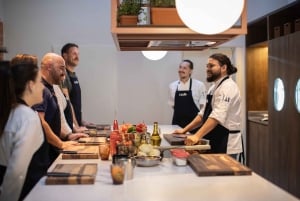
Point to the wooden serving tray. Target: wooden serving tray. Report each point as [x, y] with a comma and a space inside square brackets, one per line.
[216, 165]
[81, 152]
[72, 174]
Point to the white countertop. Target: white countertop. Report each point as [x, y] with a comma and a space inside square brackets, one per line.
[165, 182]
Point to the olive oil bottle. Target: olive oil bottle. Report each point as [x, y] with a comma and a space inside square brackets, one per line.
[155, 137]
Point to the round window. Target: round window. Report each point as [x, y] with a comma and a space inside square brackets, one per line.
[297, 95]
[279, 94]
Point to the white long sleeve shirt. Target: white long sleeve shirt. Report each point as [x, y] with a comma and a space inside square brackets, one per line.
[22, 137]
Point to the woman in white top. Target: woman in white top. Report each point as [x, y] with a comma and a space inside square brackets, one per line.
[21, 134]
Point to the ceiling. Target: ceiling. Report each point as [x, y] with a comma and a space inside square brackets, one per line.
[171, 38]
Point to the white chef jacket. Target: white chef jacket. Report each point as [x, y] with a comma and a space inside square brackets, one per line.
[226, 109]
[198, 91]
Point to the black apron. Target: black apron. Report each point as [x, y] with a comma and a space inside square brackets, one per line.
[68, 114]
[185, 109]
[75, 97]
[218, 137]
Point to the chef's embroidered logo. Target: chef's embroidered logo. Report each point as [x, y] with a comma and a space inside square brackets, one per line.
[183, 94]
[226, 99]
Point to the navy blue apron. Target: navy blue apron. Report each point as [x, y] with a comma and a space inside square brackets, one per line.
[185, 109]
[218, 137]
[75, 96]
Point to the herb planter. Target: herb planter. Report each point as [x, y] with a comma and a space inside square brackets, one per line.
[128, 20]
[165, 16]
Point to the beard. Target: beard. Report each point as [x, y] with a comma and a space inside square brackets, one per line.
[213, 76]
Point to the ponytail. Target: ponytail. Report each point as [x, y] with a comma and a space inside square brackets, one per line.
[7, 93]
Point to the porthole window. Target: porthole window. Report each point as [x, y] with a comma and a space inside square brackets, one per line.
[279, 94]
[297, 95]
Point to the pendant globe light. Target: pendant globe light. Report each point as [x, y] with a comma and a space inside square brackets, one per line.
[154, 55]
[211, 16]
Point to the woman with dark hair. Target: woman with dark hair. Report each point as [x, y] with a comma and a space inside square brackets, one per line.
[21, 133]
[221, 116]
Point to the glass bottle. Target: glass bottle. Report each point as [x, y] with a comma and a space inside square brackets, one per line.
[115, 137]
[155, 137]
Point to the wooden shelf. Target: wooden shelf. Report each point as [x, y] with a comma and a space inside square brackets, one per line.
[139, 38]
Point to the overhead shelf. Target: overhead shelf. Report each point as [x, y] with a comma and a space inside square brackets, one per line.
[176, 38]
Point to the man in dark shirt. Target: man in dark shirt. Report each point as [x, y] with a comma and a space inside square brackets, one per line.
[52, 69]
[71, 86]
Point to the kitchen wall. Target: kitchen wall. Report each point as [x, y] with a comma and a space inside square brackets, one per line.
[122, 85]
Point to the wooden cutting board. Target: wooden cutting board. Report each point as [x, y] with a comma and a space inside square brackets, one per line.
[98, 133]
[92, 140]
[99, 126]
[72, 174]
[173, 140]
[81, 152]
[216, 165]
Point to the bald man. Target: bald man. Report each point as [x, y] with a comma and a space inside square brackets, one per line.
[52, 70]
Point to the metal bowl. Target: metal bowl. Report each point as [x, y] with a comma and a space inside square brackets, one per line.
[147, 161]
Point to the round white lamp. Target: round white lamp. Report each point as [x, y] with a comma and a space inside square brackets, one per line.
[209, 17]
[154, 55]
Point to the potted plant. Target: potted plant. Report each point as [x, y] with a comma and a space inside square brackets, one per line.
[128, 11]
[163, 12]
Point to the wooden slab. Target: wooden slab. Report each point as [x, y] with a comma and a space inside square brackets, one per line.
[92, 140]
[81, 152]
[216, 165]
[72, 174]
[173, 140]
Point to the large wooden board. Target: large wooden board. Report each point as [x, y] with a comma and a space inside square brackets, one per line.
[81, 152]
[72, 174]
[216, 164]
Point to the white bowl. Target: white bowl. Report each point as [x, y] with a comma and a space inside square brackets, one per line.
[180, 161]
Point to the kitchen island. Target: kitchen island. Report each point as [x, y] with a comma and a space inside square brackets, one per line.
[163, 182]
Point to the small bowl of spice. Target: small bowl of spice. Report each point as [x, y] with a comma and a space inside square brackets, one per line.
[179, 156]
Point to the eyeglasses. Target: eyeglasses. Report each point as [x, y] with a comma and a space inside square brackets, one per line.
[210, 65]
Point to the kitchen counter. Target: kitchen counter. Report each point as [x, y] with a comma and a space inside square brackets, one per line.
[260, 117]
[163, 182]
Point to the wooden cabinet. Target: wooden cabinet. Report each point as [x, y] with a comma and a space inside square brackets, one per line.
[284, 125]
[274, 151]
[258, 153]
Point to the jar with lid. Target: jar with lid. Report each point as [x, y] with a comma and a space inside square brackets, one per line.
[144, 14]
